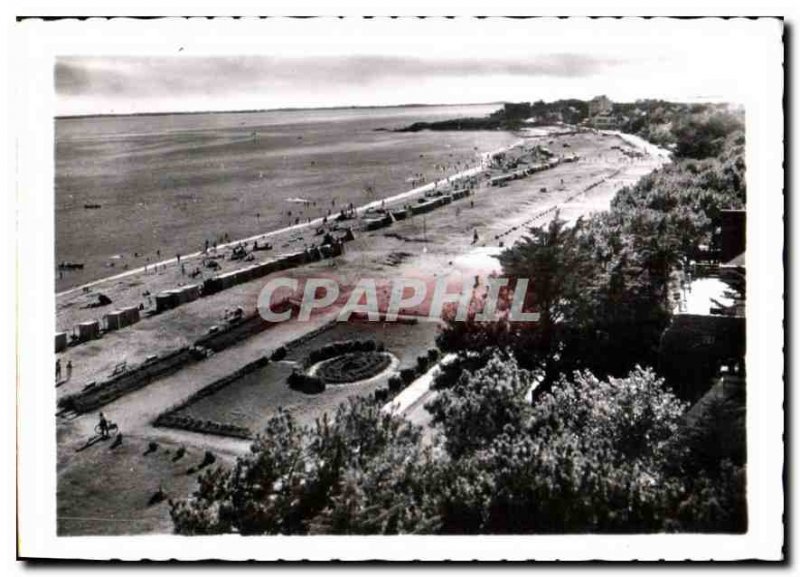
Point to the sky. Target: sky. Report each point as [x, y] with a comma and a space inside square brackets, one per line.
[324, 64]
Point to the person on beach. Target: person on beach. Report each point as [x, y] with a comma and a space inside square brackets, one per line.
[58, 369]
[69, 369]
[103, 426]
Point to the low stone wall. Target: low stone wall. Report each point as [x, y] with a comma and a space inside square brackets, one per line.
[227, 280]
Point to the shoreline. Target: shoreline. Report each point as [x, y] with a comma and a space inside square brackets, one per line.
[263, 110]
[301, 226]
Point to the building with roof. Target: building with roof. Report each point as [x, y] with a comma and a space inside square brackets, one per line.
[708, 329]
[600, 105]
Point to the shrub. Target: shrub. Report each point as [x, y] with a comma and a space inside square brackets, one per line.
[395, 383]
[408, 376]
[308, 384]
[382, 395]
[279, 354]
[157, 497]
[208, 459]
[433, 355]
[422, 364]
[340, 348]
[295, 379]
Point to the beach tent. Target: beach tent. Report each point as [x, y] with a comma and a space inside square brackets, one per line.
[114, 321]
[130, 316]
[89, 330]
[166, 300]
[188, 294]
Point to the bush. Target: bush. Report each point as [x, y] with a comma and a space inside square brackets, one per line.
[408, 376]
[382, 395]
[395, 383]
[340, 348]
[279, 354]
[308, 384]
[208, 459]
[433, 355]
[422, 364]
[295, 379]
[157, 497]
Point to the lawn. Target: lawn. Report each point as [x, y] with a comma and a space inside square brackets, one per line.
[253, 399]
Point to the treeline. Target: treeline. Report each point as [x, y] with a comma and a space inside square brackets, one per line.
[512, 116]
[692, 130]
[544, 427]
[697, 130]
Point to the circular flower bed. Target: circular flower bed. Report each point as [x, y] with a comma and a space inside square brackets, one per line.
[352, 367]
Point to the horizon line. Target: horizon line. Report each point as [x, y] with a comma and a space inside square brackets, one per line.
[714, 100]
[278, 109]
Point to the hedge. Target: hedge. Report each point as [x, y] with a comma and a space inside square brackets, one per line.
[340, 348]
[308, 384]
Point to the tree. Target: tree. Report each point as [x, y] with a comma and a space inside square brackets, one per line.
[549, 259]
[703, 135]
[590, 455]
[524, 448]
[482, 405]
[361, 472]
[556, 270]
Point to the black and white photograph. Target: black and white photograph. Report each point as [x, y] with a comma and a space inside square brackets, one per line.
[347, 288]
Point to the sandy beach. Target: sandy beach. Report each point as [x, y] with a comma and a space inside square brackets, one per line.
[438, 243]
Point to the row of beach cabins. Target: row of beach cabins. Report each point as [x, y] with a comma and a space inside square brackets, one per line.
[423, 205]
[90, 330]
[503, 179]
[375, 220]
[170, 299]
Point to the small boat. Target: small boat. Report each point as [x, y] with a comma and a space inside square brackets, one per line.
[70, 265]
